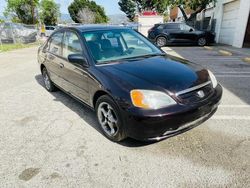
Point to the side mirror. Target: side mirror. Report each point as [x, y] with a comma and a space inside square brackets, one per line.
[191, 30]
[78, 60]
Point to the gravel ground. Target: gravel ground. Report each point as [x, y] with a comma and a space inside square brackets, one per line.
[50, 140]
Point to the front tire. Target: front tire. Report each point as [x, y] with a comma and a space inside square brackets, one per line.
[109, 118]
[161, 41]
[202, 41]
[49, 85]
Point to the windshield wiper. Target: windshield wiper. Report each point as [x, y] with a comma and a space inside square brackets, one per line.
[143, 56]
[153, 55]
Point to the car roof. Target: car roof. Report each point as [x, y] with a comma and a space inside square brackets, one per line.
[95, 27]
[172, 23]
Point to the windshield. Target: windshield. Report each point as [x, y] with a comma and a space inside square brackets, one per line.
[117, 44]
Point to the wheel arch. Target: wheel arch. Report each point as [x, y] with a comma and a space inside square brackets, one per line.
[162, 35]
[97, 95]
[42, 66]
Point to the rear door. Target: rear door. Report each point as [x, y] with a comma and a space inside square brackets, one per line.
[75, 77]
[53, 58]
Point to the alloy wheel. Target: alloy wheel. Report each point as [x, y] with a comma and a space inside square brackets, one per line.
[108, 119]
[202, 41]
[46, 80]
[161, 41]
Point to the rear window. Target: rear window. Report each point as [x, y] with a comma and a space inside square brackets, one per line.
[158, 26]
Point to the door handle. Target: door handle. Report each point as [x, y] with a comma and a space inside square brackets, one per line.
[61, 65]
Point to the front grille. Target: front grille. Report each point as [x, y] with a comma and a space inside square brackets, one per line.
[194, 97]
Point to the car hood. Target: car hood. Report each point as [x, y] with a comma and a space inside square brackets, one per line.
[170, 73]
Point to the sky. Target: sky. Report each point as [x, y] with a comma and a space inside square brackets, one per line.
[110, 6]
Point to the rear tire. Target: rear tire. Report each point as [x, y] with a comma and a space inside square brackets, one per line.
[161, 41]
[109, 118]
[202, 41]
[49, 85]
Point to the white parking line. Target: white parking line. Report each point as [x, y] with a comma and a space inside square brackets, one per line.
[233, 76]
[234, 106]
[225, 117]
[232, 72]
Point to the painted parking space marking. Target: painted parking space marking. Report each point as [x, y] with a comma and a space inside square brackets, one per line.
[233, 76]
[225, 117]
[232, 72]
[234, 106]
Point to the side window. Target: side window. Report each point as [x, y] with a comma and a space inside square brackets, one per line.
[172, 26]
[185, 27]
[71, 44]
[55, 43]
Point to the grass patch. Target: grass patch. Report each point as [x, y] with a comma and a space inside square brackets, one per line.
[9, 47]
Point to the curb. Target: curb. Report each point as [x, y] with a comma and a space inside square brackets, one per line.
[208, 48]
[246, 59]
[225, 53]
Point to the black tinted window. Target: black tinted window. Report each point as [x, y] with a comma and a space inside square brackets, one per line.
[160, 27]
[55, 43]
[49, 28]
[172, 26]
[185, 27]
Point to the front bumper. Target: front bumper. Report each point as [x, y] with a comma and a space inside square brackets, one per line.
[157, 125]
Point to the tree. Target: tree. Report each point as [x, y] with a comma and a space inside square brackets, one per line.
[23, 10]
[49, 12]
[86, 16]
[130, 7]
[77, 7]
[196, 5]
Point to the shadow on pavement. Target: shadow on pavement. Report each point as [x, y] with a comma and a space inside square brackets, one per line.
[87, 114]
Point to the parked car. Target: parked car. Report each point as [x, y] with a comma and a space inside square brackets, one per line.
[48, 30]
[131, 25]
[179, 33]
[15, 32]
[135, 88]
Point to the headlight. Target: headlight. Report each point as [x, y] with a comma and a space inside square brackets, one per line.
[213, 79]
[148, 99]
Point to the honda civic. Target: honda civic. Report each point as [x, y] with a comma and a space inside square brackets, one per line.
[135, 88]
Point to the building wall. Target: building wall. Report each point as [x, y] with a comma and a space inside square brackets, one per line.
[242, 23]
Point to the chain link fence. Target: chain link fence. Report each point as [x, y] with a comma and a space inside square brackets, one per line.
[18, 34]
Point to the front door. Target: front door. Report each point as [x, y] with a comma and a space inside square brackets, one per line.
[188, 34]
[75, 76]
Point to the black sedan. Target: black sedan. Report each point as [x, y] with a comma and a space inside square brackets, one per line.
[135, 88]
[179, 33]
